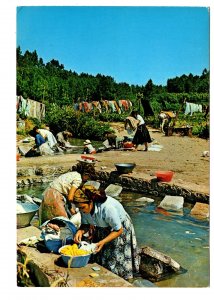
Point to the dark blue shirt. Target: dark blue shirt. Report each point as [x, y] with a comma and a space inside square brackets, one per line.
[39, 140]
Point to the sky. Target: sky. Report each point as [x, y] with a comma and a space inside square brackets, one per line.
[132, 44]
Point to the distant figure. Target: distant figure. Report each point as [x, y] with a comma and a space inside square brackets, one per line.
[41, 146]
[142, 135]
[166, 118]
[62, 139]
[47, 135]
[111, 137]
[88, 148]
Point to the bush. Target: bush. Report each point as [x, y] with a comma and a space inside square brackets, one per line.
[82, 125]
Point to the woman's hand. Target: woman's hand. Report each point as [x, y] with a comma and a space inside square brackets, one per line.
[78, 236]
[99, 246]
[112, 235]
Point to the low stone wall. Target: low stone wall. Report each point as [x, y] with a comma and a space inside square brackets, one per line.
[33, 176]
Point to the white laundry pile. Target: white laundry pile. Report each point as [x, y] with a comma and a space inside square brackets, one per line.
[88, 247]
[25, 207]
[155, 147]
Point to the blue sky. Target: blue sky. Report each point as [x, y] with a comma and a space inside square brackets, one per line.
[131, 44]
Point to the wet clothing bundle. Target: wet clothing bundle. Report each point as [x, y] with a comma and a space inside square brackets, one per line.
[131, 123]
[66, 228]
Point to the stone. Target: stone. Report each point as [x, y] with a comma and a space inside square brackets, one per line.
[24, 149]
[25, 172]
[155, 265]
[113, 190]
[172, 203]
[200, 210]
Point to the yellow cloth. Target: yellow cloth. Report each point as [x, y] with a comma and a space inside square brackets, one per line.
[80, 197]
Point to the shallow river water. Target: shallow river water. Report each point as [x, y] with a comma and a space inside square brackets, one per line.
[180, 236]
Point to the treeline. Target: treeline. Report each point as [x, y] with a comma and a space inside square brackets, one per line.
[51, 83]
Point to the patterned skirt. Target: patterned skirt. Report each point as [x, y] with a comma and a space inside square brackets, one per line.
[120, 256]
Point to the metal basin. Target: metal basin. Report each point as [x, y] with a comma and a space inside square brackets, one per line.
[125, 168]
[23, 219]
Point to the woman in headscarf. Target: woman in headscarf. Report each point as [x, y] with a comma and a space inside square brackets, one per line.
[113, 234]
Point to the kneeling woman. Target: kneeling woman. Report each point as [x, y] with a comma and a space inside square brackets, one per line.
[113, 231]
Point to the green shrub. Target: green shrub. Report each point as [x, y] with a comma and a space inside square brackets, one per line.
[82, 125]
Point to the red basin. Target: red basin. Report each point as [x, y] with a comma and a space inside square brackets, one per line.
[164, 175]
[87, 157]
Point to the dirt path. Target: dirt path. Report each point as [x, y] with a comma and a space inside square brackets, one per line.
[183, 155]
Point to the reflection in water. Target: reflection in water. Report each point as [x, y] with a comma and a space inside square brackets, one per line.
[178, 235]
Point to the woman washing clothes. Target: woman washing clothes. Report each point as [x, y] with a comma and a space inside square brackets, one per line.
[113, 233]
[39, 143]
[58, 197]
[142, 135]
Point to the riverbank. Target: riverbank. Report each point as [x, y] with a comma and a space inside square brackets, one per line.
[182, 155]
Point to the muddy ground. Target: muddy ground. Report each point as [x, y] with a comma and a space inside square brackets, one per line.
[181, 154]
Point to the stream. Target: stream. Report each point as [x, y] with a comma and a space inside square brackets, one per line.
[178, 235]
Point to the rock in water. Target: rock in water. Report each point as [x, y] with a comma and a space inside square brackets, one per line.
[173, 203]
[155, 265]
[113, 190]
